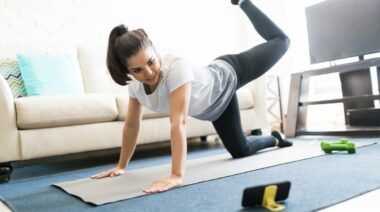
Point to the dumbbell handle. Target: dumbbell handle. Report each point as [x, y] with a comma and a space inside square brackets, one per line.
[339, 147]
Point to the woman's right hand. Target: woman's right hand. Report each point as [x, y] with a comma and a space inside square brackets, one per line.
[110, 173]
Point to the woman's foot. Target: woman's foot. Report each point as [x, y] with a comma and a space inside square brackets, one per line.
[236, 2]
[281, 141]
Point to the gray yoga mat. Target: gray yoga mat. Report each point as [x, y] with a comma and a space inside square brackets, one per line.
[131, 184]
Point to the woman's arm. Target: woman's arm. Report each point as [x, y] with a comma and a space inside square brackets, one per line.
[130, 133]
[179, 106]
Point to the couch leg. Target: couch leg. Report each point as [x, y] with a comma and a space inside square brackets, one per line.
[203, 139]
[5, 172]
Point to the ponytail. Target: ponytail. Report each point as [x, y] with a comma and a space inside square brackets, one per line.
[115, 66]
[123, 44]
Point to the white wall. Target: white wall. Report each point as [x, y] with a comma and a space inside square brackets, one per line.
[197, 29]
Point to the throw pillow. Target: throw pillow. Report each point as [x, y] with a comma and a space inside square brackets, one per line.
[48, 74]
[10, 70]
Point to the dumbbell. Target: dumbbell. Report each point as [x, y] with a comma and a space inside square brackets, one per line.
[342, 145]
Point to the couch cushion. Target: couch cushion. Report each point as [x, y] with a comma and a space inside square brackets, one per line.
[122, 104]
[92, 61]
[96, 77]
[64, 110]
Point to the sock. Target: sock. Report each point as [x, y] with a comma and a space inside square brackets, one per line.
[281, 141]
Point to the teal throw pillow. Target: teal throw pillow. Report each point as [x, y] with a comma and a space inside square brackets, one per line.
[49, 74]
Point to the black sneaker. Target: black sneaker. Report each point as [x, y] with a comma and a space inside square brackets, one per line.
[281, 141]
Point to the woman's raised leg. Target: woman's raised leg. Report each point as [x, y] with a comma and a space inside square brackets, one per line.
[254, 62]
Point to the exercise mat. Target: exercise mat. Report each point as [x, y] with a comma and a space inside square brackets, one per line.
[131, 183]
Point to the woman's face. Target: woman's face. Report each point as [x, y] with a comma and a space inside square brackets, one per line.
[144, 66]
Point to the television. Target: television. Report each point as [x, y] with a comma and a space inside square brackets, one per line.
[339, 29]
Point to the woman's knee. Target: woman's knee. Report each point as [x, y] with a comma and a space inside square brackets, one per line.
[240, 153]
[284, 42]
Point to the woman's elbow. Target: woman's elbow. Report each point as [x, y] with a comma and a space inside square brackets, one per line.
[179, 122]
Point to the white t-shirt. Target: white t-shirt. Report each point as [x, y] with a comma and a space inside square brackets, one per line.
[212, 87]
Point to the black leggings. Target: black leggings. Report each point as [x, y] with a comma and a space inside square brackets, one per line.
[250, 65]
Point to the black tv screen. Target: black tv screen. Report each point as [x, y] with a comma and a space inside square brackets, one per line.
[340, 29]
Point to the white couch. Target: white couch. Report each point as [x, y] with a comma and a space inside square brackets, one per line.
[45, 126]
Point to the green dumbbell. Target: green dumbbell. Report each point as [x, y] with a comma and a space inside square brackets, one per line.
[342, 141]
[342, 145]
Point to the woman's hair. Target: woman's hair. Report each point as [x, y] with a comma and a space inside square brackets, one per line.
[123, 44]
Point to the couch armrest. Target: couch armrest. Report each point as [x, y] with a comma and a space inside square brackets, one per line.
[9, 136]
[267, 100]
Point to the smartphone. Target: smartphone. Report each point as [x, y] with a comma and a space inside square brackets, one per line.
[253, 196]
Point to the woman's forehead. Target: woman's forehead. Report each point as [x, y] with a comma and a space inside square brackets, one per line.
[141, 58]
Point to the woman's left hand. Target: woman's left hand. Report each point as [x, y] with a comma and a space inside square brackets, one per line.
[164, 184]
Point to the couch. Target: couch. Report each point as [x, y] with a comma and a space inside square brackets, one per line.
[55, 125]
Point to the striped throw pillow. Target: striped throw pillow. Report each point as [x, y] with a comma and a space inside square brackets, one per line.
[10, 70]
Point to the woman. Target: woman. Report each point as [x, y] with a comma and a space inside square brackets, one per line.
[172, 86]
